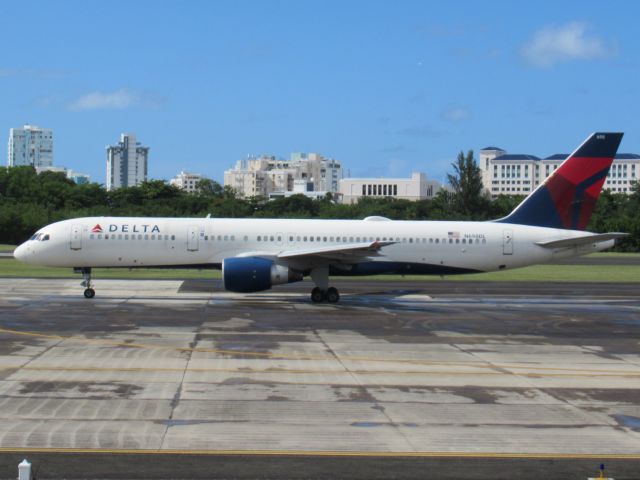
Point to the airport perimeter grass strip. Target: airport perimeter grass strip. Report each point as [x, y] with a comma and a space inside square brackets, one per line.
[536, 273]
[4, 248]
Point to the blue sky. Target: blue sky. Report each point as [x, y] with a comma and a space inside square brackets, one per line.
[386, 87]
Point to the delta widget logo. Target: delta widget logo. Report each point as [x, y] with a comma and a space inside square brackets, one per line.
[96, 229]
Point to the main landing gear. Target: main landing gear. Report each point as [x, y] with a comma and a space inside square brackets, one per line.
[330, 295]
[89, 292]
[322, 291]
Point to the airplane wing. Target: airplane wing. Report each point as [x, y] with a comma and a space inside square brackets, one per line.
[337, 252]
[582, 240]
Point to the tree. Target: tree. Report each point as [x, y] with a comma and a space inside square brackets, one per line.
[466, 181]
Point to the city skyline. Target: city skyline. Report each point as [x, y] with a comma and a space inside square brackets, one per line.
[385, 90]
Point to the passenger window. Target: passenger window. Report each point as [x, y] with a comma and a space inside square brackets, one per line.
[311, 239]
[139, 236]
[331, 239]
[351, 239]
[91, 237]
[226, 238]
[99, 236]
[119, 236]
[411, 240]
[126, 236]
[246, 238]
[457, 240]
[484, 240]
[298, 238]
[271, 238]
[259, 238]
[324, 239]
[173, 237]
[146, 237]
[437, 240]
[305, 239]
[291, 238]
[451, 240]
[279, 238]
[233, 238]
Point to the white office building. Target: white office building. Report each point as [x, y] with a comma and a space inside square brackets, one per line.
[262, 176]
[186, 181]
[127, 163]
[519, 174]
[30, 145]
[418, 187]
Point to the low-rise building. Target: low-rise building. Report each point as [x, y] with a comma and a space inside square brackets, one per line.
[76, 177]
[262, 176]
[186, 181]
[519, 174]
[418, 187]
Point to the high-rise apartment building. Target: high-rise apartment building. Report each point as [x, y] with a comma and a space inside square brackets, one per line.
[265, 175]
[30, 145]
[127, 163]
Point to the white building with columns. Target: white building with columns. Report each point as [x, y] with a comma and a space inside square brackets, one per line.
[418, 187]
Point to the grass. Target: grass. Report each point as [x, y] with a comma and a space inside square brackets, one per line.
[6, 248]
[536, 273]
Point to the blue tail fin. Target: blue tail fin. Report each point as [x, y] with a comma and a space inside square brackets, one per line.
[567, 197]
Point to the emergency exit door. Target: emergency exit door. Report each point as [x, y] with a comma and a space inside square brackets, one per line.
[507, 242]
[76, 237]
[192, 238]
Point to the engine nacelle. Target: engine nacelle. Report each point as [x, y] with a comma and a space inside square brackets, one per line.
[253, 274]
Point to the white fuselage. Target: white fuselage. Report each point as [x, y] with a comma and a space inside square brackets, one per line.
[140, 242]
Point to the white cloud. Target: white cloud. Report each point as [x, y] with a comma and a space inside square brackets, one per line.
[555, 44]
[456, 114]
[118, 100]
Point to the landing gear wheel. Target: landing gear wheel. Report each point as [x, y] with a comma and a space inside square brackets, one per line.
[89, 293]
[332, 295]
[317, 295]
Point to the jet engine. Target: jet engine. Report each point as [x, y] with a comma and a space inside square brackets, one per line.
[253, 274]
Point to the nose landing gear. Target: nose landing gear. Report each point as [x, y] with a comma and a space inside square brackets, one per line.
[89, 292]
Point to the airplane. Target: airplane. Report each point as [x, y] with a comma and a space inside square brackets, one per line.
[256, 254]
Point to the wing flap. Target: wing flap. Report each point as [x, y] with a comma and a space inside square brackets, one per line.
[582, 240]
[333, 251]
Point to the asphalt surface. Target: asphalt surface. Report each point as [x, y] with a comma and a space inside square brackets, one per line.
[165, 379]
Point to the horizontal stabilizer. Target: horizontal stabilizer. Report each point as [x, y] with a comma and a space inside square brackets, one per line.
[366, 248]
[583, 240]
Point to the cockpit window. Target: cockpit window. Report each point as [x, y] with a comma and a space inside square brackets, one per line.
[40, 237]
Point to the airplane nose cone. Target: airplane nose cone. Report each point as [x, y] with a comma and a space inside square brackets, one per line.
[20, 253]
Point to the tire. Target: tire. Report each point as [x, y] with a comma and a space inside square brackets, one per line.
[89, 293]
[332, 295]
[317, 295]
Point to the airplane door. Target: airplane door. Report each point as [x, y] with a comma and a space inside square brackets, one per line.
[192, 238]
[507, 242]
[75, 242]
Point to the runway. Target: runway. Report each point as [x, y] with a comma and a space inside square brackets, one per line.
[467, 378]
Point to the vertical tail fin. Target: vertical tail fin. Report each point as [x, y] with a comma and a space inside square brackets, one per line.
[567, 197]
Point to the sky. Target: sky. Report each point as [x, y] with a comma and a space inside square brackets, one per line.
[386, 87]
